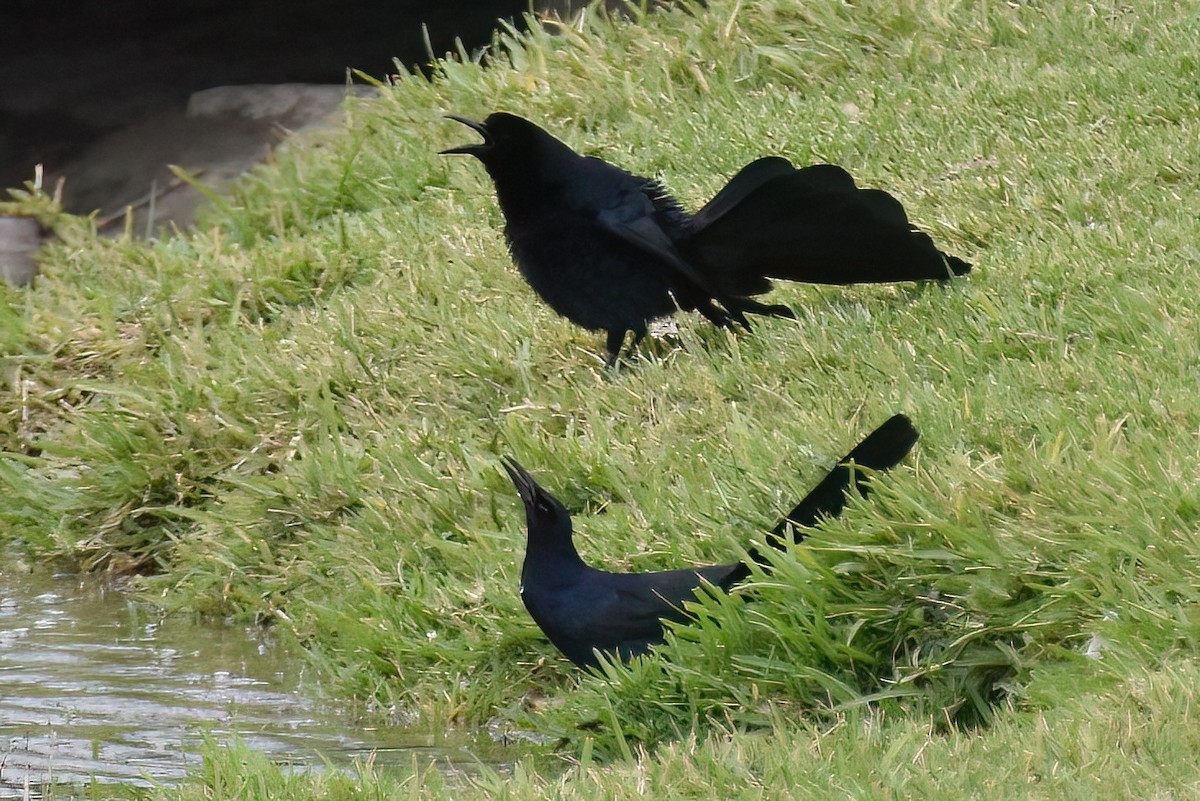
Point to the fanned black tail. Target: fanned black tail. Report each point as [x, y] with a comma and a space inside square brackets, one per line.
[772, 221]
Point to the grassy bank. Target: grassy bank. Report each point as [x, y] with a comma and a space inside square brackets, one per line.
[294, 415]
[1138, 742]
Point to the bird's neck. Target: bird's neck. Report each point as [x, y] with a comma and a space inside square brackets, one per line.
[553, 554]
[519, 198]
[531, 187]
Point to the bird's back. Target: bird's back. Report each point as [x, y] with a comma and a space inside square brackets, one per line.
[618, 613]
[566, 249]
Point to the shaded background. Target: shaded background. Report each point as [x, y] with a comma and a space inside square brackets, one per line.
[74, 75]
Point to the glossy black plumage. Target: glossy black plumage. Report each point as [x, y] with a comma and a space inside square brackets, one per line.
[582, 609]
[612, 251]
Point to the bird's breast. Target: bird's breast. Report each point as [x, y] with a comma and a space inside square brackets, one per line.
[589, 277]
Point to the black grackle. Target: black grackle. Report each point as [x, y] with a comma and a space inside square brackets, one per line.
[583, 610]
[612, 251]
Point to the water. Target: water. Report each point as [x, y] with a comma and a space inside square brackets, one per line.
[96, 687]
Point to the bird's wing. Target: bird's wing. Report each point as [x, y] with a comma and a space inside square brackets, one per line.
[676, 586]
[749, 178]
[641, 601]
[643, 232]
[627, 619]
[623, 206]
[664, 592]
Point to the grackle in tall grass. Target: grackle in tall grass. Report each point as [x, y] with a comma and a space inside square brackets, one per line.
[583, 610]
[612, 251]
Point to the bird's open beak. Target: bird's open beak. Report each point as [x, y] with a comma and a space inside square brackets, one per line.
[526, 487]
[471, 150]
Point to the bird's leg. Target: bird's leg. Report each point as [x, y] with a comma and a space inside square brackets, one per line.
[715, 315]
[616, 338]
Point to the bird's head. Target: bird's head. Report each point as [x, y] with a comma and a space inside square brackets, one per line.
[518, 155]
[504, 136]
[480, 151]
[547, 519]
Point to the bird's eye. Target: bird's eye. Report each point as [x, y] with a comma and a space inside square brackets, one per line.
[543, 506]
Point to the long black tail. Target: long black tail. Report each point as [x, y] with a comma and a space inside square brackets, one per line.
[812, 225]
[882, 449]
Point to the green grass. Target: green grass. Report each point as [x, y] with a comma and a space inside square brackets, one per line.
[1139, 742]
[294, 415]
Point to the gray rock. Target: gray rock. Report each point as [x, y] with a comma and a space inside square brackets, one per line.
[20, 238]
[221, 133]
[291, 105]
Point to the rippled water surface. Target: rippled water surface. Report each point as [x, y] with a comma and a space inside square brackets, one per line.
[93, 685]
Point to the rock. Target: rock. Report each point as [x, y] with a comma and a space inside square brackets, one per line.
[291, 105]
[20, 238]
[220, 134]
